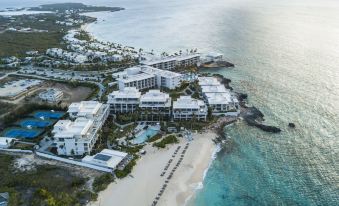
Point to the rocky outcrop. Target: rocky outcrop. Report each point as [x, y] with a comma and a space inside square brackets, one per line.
[254, 117]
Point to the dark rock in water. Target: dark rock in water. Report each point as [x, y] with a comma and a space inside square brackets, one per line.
[292, 125]
[252, 115]
[242, 96]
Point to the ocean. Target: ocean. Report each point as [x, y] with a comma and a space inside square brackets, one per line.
[287, 60]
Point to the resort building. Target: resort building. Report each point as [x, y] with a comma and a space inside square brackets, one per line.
[217, 97]
[51, 95]
[93, 110]
[107, 158]
[164, 78]
[186, 108]
[146, 77]
[164, 63]
[155, 102]
[208, 81]
[171, 62]
[214, 89]
[222, 103]
[188, 60]
[75, 137]
[124, 101]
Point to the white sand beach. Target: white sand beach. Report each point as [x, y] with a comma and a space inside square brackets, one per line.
[145, 182]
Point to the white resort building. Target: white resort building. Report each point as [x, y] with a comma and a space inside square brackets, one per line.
[217, 97]
[89, 109]
[186, 108]
[106, 158]
[155, 102]
[79, 136]
[171, 62]
[75, 137]
[124, 101]
[146, 77]
[51, 95]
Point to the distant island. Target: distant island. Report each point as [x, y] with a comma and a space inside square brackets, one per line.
[75, 7]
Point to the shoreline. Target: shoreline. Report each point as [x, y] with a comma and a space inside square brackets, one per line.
[145, 182]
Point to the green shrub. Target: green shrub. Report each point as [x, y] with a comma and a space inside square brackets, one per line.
[167, 140]
[101, 182]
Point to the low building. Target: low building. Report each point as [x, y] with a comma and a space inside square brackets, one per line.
[146, 77]
[217, 97]
[163, 63]
[171, 62]
[186, 108]
[124, 101]
[188, 60]
[155, 102]
[107, 158]
[214, 57]
[133, 77]
[214, 89]
[222, 103]
[93, 110]
[75, 137]
[208, 81]
[51, 95]
[6, 142]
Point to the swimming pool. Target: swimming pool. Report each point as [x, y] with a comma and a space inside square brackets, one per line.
[144, 135]
[22, 133]
[35, 123]
[48, 114]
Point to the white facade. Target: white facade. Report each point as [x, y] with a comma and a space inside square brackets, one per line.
[89, 109]
[51, 95]
[221, 103]
[106, 158]
[170, 63]
[75, 138]
[124, 101]
[188, 60]
[79, 136]
[186, 108]
[146, 77]
[217, 97]
[134, 77]
[156, 102]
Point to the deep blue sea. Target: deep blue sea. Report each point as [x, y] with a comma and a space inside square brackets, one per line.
[287, 59]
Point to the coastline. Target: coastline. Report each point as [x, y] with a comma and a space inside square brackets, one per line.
[145, 182]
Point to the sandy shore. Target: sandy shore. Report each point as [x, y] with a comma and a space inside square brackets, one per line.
[145, 182]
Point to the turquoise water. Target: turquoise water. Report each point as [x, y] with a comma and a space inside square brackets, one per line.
[286, 55]
[145, 135]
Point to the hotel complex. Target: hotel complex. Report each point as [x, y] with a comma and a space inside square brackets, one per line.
[51, 95]
[186, 108]
[170, 63]
[146, 77]
[155, 102]
[124, 101]
[217, 97]
[79, 136]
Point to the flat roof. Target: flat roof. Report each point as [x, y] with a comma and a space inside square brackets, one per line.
[106, 158]
[136, 77]
[186, 102]
[218, 98]
[154, 95]
[208, 81]
[127, 92]
[85, 107]
[214, 89]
